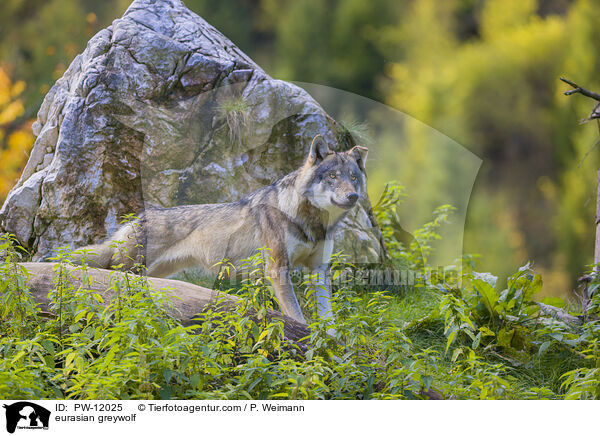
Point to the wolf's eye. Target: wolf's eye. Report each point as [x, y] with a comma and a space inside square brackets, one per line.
[332, 175]
[353, 177]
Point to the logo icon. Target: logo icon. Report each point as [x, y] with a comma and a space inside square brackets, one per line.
[26, 415]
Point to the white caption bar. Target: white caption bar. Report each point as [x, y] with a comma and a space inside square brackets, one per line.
[155, 417]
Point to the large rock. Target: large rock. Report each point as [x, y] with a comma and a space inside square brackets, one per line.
[161, 110]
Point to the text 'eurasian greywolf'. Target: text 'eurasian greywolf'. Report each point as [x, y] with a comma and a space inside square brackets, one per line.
[295, 218]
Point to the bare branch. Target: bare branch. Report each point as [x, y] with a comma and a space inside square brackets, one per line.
[590, 94]
[580, 90]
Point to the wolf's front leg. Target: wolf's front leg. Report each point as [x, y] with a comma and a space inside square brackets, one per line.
[323, 291]
[284, 291]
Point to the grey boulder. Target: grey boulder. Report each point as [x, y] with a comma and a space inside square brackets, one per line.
[160, 110]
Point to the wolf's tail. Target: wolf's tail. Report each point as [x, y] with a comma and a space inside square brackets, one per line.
[123, 248]
[98, 255]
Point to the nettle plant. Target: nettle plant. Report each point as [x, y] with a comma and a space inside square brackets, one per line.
[17, 306]
[402, 250]
[131, 346]
[490, 318]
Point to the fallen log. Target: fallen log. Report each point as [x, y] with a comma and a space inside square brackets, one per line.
[188, 300]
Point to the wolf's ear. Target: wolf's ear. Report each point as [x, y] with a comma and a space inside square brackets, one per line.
[318, 150]
[359, 154]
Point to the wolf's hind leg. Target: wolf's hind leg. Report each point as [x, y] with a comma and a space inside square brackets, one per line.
[166, 266]
[163, 269]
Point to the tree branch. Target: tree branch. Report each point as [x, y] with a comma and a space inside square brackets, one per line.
[590, 94]
[580, 90]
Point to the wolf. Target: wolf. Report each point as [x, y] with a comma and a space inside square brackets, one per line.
[295, 217]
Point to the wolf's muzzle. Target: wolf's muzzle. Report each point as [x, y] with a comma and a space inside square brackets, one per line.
[350, 201]
[352, 197]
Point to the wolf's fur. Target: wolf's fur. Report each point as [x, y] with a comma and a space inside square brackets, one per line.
[295, 217]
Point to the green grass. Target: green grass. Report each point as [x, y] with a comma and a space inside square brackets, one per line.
[235, 112]
[352, 132]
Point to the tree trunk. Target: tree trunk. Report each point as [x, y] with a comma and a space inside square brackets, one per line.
[597, 246]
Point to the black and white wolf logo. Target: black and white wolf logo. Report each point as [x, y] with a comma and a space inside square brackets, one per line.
[25, 414]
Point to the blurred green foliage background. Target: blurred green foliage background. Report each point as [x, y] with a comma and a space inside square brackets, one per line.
[483, 72]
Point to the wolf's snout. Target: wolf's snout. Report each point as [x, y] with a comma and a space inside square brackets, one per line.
[352, 197]
[345, 201]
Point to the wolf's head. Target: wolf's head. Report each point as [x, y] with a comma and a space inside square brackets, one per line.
[334, 181]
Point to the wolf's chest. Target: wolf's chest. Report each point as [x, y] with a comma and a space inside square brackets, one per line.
[309, 254]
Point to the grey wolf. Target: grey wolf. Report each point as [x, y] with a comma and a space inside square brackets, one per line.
[295, 217]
